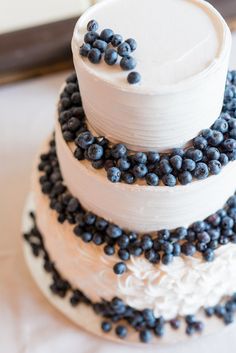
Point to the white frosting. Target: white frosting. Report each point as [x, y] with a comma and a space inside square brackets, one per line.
[183, 52]
[177, 289]
[143, 208]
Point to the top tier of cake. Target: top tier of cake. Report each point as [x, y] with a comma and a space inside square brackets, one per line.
[182, 56]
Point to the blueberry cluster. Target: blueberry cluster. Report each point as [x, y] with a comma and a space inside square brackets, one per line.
[203, 236]
[116, 312]
[210, 152]
[110, 46]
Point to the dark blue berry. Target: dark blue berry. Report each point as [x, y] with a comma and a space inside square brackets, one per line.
[153, 157]
[87, 237]
[140, 170]
[94, 56]
[120, 268]
[106, 326]
[140, 158]
[227, 223]
[124, 49]
[84, 140]
[194, 154]
[128, 178]
[159, 330]
[90, 37]
[164, 234]
[185, 178]
[213, 153]
[117, 39]
[167, 259]
[95, 152]
[145, 336]
[132, 43]
[210, 311]
[98, 239]
[152, 256]
[190, 319]
[233, 133]
[216, 138]
[146, 242]
[84, 49]
[209, 255]
[109, 250]
[152, 179]
[200, 143]
[118, 151]
[167, 247]
[92, 26]
[79, 154]
[220, 311]
[114, 231]
[190, 330]
[204, 237]
[229, 318]
[188, 249]
[165, 166]
[207, 133]
[229, 145]
[221, 125]
[110, 56]
[123, 241]
[114, 174]
[175, 324]
[199, 326]
[107, 35]
[134, 77]
[100, 45]
[128, 63]
[169, 180]
[101, 224]
[123, 164]
[90, 218]
[214, 167]
[176, 249]
[188, 165]
[124, 254]
[176, 162]
[121, 331]
[199, 226]
[201, 247]
[201, 171]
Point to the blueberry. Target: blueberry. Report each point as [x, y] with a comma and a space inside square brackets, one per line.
[146, 242]
[228, 318]
[209, 255]
[204, 237]
[92, 26]
[106, 326]
[176, 249]
[175, 324]
[119, 151]
[176, 162]
[84, 49]
[165, 166]
[207, 133]
[98, 239]
[116, 40]
[164, 234]
[188, 165]
[100, 45]
[216, 138]
[152, 256]
[213, 153]
[124, 49]
[106, 35]
[220, 311]
[123, 164]
[190, 319]
[95, 152]
[110, 56]
[199, 326]
[90, 37]
[79, 154]
[185, 178]
[134, 77]
[221, 125]
[128, 63]
[232, 201]
[145, 336]
[169, 180]
[229, 144]
[227, 223]
[128, 178]
[114, 231]
[121, 331]
[232, 123]
[132, 43]
[109, 250]
[152, 179]
[188, 249]
[159, 330]
[210, 311]
[140, 170]
[124, 254]
[101, 224]
[167, 259]
[190, 330]
[136, 250]
[200, 143]
[94, 56]
[153, 157]
[233, 133]
[87, 237]
[123, 241]
[201, 171]
[140, 158]
[114, 174]
[214, 167]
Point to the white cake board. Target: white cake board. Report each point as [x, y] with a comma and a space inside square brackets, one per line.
[84, 316]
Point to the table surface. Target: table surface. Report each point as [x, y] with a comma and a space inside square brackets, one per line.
[27, 322]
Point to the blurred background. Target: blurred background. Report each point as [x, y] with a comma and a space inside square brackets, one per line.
[35, 35]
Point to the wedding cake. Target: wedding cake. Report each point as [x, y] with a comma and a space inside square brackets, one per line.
[133, 212]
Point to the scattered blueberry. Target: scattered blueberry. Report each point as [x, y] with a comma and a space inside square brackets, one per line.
[92, 26]
[121, 331]
[145, 336]
[134, 77]
[169, 180]
[95, 152]
[90, 37]
[117, 39]
[119, 151]
[114, 174]
[124, 49]
[100, 45]
[94, 56]
[140, 170]
[132, 43]
[110, 56]
[106, 326]
[201, 171]
[107, 35]
[128, 63]
[152, 179]
[84, 49]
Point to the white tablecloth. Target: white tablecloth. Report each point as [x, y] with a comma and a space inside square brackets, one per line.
[27, 322]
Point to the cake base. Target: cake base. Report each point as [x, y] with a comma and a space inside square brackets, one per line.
[84, 316]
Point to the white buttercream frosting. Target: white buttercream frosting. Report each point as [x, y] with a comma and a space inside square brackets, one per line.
[183, 51]
[180, 288]
[143, 208]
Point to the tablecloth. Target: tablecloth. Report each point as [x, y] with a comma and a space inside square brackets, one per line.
[28, 323]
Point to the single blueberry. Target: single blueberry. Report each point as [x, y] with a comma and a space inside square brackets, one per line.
[167, 259]
[210, 311]
[109, 250]
[146, 242]
[176, 249]
[100, 45]
[123, 241]
[120, 268]
[207, 133]
[159, 330]
[117, 39]
[121, 331]
[165, 166]
[140, 170]
[90, 37]
[153, 157]
[118, 151]
[188, 249]
[124, 49]
[229, 144]
[140, 158]
[213, 153]
[114, 174]
[175, 324]
[200, 143]
[92, 26]
[134, 77]
[84, 49]
[107, 35]
[98, 239]
[145, 336]
[209, 255]
[152, 179]
[128, 63]
[132, 43]
[94, 56]
[185, 178]
[163, 234]
[201, 171]
[216, 138]
[123, 164]
[106, 326]
[169, 180]
[227, 223]
[87, 237]
[110, 56]
[188, 165]
[233, 133]
[128, 178]
[176, 162]
[124, 254]
[204, 237]
[114, 231]
[221, 125]
[95, 152]
[214, 167]
[152, 256]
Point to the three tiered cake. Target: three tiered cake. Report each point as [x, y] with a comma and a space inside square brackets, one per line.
[132, 203]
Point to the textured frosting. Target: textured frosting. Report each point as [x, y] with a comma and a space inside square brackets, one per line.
[180, 288]
[143, 208]
[183, 52]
